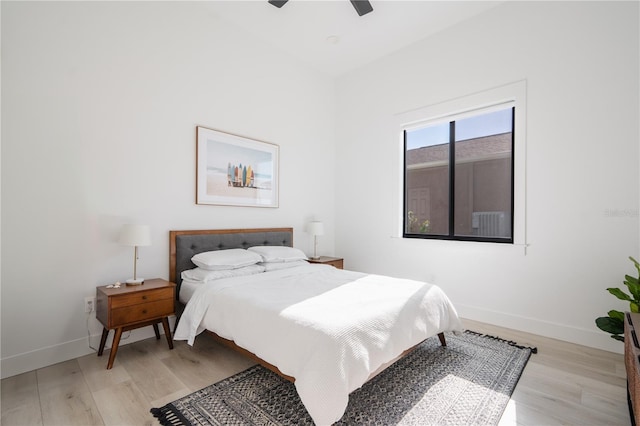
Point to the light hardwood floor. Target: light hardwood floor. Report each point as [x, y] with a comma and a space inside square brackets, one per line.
[562, 384]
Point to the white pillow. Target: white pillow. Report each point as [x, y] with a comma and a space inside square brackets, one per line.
[225, 259]
[274, 266]
[278, 253]
[199, 274]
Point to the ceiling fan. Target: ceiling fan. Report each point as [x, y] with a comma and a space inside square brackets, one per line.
[361, 6]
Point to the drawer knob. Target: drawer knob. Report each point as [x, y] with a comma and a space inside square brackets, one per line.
[144, 297]
[144, 311]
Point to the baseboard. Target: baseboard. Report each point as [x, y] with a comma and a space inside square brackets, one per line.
[44, 357]
[581, 336]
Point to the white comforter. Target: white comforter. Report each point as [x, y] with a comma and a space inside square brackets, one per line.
[328, 328]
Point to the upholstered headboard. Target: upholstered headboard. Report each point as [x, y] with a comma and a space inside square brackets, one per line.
[183, 245]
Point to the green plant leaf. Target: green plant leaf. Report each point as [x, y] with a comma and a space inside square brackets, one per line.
[617, 337]
[635, 263]
[610, 325]
[617, 314]
[633, 285]
[620, 294]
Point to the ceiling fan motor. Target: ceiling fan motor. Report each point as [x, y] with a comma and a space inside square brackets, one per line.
[361, 6]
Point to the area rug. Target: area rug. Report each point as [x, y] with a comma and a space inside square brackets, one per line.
[468, 382]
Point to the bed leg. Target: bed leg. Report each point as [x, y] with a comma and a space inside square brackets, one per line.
[443, 342]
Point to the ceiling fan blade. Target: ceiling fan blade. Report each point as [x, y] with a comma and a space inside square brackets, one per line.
[362, 6]
[278, 3]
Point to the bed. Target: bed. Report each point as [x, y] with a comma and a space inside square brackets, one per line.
[327, 330]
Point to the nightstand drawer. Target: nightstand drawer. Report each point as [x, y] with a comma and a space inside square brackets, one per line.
[140, 297]
[141, 312]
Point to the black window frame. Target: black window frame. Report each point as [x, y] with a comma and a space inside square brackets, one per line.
[452, 156]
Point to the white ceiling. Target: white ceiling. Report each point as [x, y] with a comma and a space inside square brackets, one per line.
[302, 27]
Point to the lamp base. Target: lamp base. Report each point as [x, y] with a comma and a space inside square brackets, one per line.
[314, 257]
[137, 281]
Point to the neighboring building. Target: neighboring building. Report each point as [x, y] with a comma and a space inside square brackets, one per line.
[483, 184]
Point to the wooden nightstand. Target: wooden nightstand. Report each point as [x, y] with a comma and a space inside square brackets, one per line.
[130, 307]
[338, 262]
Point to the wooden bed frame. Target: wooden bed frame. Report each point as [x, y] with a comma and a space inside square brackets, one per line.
[216, 239]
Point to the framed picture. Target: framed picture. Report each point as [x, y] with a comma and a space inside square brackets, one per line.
[235, 171]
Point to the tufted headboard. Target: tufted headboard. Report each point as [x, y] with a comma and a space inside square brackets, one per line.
[183, 245]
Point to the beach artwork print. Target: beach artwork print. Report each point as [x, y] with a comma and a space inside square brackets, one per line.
[235, 171]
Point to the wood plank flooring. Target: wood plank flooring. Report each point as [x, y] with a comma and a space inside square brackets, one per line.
[563, 384]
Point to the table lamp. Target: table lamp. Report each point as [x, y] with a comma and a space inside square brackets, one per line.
[135, 235]
[315, 228]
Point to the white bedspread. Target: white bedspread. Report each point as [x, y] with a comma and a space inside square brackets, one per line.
[328, 328]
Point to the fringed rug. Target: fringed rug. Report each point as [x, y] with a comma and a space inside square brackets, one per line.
[468, 382]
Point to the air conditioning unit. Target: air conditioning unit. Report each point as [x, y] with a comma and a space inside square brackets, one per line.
[491, 224]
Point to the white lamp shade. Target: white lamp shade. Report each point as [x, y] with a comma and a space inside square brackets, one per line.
[135, 235]
[316, 228]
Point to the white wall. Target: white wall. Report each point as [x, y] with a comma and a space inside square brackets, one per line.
[100, 101]
[580, 64]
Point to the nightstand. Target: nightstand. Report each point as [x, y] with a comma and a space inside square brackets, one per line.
[338, 262]
[129, 307]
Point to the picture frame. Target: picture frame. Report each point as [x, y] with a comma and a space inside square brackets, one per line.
[233, 170]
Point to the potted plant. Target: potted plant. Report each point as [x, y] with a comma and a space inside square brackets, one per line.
[614, 323]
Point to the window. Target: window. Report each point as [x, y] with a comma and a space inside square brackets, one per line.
[459, 176]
